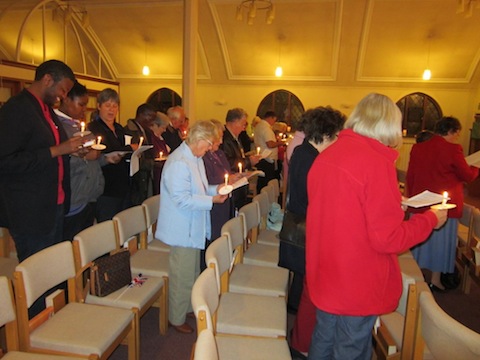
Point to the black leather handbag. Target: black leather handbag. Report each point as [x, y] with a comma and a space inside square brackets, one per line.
[292, 242]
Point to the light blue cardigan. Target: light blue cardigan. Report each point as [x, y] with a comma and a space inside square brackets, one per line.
[185, 201]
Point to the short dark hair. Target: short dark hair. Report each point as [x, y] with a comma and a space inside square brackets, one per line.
[423, 136]
[446, 125]
[322, 122]
[144, 109]
[269, 113]
[235, 114]
[106, 95]
[77, 90]
[56, 69]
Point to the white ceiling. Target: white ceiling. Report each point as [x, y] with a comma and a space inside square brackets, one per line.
[318, 42]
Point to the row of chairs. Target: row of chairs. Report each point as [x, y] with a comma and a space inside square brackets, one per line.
[85, 325]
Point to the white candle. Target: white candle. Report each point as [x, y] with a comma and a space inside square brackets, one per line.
[258, 150]
[445, 198]
[141, 141]
[240, 168]
[226, 179]
[82, 127]
[161, 154]
[99, 140]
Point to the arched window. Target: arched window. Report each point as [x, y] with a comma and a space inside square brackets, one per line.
[420, 112]
[286, 105]
[164, 98]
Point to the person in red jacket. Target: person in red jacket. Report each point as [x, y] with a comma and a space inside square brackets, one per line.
[355, 228]
[439, 165]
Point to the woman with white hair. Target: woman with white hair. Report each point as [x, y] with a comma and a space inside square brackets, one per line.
[184, 216]
[355, 228]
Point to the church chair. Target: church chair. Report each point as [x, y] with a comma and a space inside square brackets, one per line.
[470, 270]
[9, 320]
[66, 327]
[256, 254]
[236, 314]
[236, 277]
[265, 236]
[211, 347]
[99, 240]
[7, 263]
[131, 227]
[445, 337]
[151, 207]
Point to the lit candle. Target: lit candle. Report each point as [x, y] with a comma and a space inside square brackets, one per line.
[445, 198]
[404, 132]
[82, 127]
[99, 140]
[161, 154]
[258, 150]
[226, 179]
[141, 141]
[240, 167]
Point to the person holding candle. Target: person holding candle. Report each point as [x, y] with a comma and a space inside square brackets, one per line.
[160, 147]
[86, 177]
[217, 169]
[116, 193]
[174, 134]
[183, 219]
[439, 165]
[354, 204]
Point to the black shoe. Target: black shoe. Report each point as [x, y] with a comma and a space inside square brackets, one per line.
[291, 310]
[296, 355]
[449, 280]
[436, 288]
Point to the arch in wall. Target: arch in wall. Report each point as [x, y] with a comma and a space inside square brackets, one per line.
[286, 105]
[420, 112]
[164, 98]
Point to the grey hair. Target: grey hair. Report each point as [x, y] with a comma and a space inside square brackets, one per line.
[377, 116]
[106, 95]
[161, 119]
[202, 130]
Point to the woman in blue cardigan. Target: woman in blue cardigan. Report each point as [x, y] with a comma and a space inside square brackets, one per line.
[184, 216]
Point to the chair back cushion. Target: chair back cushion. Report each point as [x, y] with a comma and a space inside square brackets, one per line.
[263, 203]
[46, 269]
[251, 216]
[402, 303]
[205, 295]
[96, 240]
[130, 222]
[234, 230]
[151, 206]
[219, 255]
[445, 337]
[206, 347]
[7, 312]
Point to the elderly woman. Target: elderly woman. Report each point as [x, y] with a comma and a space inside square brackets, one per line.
[159, 126]
[321, 126]
[184, 216]
[355, 229]
[438, 165]
[115, 197]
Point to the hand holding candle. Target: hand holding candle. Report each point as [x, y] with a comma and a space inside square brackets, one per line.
[240, 167]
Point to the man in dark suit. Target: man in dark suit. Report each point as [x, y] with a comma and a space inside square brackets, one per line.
[34, 161]
[172, 135]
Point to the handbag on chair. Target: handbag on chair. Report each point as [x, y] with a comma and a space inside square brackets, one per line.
[292, 242]
[110, 273]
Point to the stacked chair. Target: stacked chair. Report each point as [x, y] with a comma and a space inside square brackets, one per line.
[242, 326]
[151, 207]
[66, 327]
[101, 239]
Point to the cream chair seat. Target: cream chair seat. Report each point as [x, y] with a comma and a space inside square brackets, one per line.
[9, 319]
[249, 279]
[445, 337]
[75, 329]
[209, 347]
[151, 207]
[100, 239]
[237, 314]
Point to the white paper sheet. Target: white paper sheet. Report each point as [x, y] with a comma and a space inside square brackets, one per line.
[425, 198]
[135, 159]
[473, 159]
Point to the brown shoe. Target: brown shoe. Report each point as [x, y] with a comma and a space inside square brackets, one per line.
[184, 328]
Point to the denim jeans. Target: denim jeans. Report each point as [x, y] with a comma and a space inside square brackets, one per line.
[342, 337]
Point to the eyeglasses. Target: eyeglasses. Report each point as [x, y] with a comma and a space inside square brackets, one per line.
[209, 142]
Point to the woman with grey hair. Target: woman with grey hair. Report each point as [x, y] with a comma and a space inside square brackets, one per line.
[160, 148]
[355, 228]
[184, 216]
